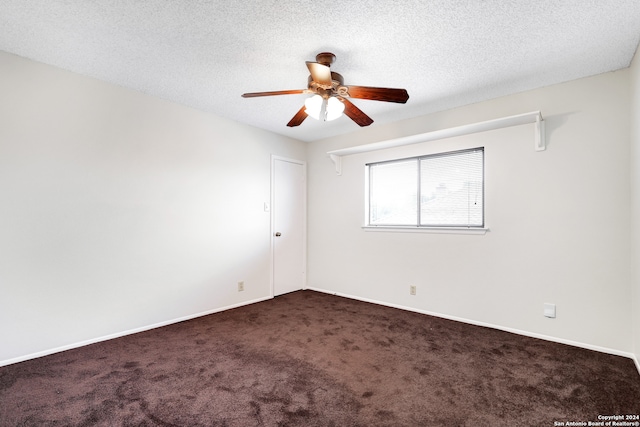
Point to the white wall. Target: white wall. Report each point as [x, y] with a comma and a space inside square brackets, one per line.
[635, 200]
[120, 211]
[559, 220]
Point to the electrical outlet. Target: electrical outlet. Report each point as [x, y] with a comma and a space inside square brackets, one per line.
[412, 289]
[240, 286]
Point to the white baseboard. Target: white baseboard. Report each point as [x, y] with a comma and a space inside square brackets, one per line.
[354, 297]
[489, 325]
[124, 333]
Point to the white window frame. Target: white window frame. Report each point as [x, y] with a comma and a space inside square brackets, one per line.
[421, 228]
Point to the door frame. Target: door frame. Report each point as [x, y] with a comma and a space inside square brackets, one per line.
[272, 230]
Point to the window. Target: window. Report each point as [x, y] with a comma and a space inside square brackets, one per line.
[440, 190]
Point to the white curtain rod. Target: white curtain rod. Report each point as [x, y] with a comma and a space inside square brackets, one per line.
[503, 122]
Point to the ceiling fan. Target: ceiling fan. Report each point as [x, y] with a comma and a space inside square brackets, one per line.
[329, 100]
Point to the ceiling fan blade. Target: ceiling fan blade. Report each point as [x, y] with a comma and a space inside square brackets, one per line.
[379, 94]
[298, 118]
[354, 113]
[277, 92]
[320, 73]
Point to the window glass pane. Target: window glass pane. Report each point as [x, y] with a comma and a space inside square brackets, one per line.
[393, 197]
[451, 189]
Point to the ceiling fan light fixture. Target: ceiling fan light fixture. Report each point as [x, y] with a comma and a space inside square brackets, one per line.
[325, 109]
[315, 106]
[335, 108]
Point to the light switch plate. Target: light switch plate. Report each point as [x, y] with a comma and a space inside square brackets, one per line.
[549, 310]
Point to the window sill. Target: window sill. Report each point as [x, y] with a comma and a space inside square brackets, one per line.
[436, 230]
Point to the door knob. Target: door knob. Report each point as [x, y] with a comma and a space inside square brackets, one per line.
[278, 234]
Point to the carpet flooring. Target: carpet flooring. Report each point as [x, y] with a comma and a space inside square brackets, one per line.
[312, 359]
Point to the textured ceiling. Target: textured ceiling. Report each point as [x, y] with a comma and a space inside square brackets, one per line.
[206, 53]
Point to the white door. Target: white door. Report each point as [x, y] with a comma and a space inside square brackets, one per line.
[288, 210]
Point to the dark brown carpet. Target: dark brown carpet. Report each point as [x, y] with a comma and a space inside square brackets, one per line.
[310, 359]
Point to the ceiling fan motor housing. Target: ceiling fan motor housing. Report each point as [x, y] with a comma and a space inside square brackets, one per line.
[326, 58]
[337, 86]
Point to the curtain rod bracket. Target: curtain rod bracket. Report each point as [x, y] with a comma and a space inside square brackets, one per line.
[337, 161]
[541, 141]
